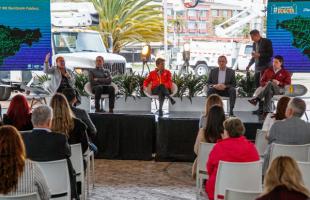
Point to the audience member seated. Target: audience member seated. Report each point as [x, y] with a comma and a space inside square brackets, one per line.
[233, 147]
[161, 83]
[278, 115]
[212, 100]
[222, 81]
[100, 80]
[44, 145]
[64, 122]
[212, 132]
[283, 181]
[272, 82]
[292, 130]
[18, 114]
[18, 175]
[80, 113]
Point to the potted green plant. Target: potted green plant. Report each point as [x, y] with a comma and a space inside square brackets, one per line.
[192, 88]
[80, 81]
[130, 86]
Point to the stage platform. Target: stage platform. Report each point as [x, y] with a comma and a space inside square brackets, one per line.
[141, 135]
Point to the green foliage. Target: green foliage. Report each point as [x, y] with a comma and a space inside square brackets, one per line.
[42, 78]
[140, 79]
[180, 82]
[129, 21]
[245, 85]
[127, 84]
[194, 85]
[80, 81]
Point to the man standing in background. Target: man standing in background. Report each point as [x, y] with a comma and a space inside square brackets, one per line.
[261, 57]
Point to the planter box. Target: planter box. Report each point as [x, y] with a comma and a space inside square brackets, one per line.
[131, 104]
[185, 105]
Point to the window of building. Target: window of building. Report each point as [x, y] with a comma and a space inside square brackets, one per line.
[203, 13]
[191, 13]
[191, 25]
[215, 13]
[224, 13]
[169, 12]
[202, 25]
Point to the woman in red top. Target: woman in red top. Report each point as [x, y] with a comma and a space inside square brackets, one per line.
[284, 181]
[233, 147]
[273, 81]
[161, 83]
[18, 114]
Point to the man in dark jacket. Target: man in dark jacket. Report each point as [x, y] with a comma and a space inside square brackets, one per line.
[261, 55]
[100, 80]
[222, 81]
[44, 145]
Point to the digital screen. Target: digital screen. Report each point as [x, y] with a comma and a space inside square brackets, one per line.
[288, 27]
[25, 34]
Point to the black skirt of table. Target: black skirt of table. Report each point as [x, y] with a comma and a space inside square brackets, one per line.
[122, 136]
[129, 136]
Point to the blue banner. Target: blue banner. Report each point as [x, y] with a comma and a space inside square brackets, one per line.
[288, 27]
[25, 34]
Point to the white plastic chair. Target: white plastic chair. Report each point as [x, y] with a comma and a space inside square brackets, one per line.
[57, 177]
[298, 152]
[77, 163]
[88, 90]
[31, 196]
[305, 172]
[261, 142]
[147, 91]
[90, 157]
[238, 175]
[201, 171]
[232, 194]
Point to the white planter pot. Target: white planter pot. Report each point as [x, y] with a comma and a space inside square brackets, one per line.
[131, 104]
[185, 105]
[85, 103]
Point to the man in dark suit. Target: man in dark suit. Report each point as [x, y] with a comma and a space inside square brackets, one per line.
[80, 113]
[222, 81]
[44, 145]
[261, 55]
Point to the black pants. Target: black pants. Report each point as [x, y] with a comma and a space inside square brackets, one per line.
[228, 92]
[162, 92]
[98, 90]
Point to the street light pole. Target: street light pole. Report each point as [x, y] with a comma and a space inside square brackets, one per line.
[165, 31]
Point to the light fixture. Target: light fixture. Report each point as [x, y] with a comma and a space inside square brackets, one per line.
[145, 56]
[186, 52]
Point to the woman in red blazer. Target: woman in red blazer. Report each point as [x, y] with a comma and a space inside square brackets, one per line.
[161, 83]
[233, 147]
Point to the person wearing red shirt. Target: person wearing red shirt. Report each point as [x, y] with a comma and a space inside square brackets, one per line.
[233, 147]
[273, 81]
[161, 83]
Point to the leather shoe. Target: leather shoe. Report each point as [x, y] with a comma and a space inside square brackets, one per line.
[99, 110]
[172, 101]
[257, 112]
[253, 102]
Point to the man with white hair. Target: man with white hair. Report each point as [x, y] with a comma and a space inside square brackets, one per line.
[292, 131]
[161, 83]
[44, 145]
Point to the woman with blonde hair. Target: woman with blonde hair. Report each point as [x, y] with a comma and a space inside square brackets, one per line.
[284, 181]
[65, 122]
[212, 100]
[18, 175]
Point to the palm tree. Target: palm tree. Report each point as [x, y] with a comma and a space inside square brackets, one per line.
[129, 21]
[178, 24]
